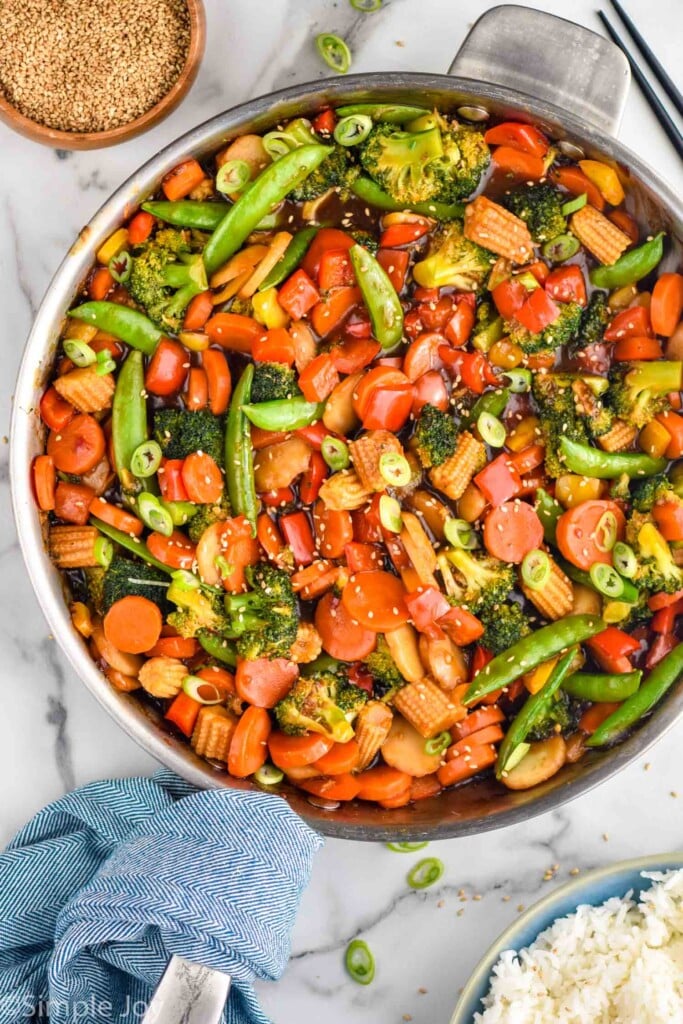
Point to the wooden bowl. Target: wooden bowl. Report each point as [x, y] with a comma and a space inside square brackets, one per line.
[97, 140]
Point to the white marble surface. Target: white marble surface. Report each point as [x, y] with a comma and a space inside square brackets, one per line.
[53, 735]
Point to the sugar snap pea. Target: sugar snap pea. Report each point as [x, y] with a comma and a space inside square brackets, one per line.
[379, 295]
[129, 543]
[601, 688]
[294, 253]
[587, 461]
[219, 648]
[129, 417]
[371, 193]
[189, 213]
[283, 413]
[239, 457]
[125, 323]
[632, 266]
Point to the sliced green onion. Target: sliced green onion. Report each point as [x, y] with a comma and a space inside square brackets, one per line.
[390, 514]
[268, 775]
[180, 511]
[606, 532]
[103, 551]
[574, 204]
[277, 144]
[146, 459]
[335, 452]
[334, 52]
[184, 580]
[517, 755]
[352, 130]
[232, 176]
[425, 873]
[406, 847]
[366, 6]
[438, 744]
[120, 266]
[491, 430]
[104, 363]
[528, 280]
[153, 514]
[224, 567]
[606, 579]
[79, 352]
[394, 469]
[520, 380]
[536, 569]
[562, 248]
[460, 534]
[624, 558]
[202, 691]
[359, 962]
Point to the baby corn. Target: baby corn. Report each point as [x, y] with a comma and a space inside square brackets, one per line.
[86, 390]
[372, 728]
[366, 453]
[73, 547]
[344, 490]
[308, 644]
[496, 229]
[453, 476]
[213, 733]
[428, 708]
[600, 236]
[555, 598]
[162, 677]
[618, 438]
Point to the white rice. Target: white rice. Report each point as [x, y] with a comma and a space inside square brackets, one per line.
[619, 963]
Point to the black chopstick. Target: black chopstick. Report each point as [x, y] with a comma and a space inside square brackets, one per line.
[663, 77]
[653, 99]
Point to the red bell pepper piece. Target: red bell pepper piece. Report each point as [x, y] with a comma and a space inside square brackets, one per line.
[519, 136]
[461, 626]
[367, 526]
[403, 234]
[388, 407]
[567, 284]
[362, 557]
[669, 519]
[673, 423]
[274, 346]
[539, 270]
[396, 265]
[425, 606]
[538, 311]
[509, 296]
[279, 498]
[663, 621]
[335, 270]
[325, 122]
[184, 712]
[498, 481]
[658, 601]
[298, 294]
[297, 532]
[630, 323]
[171, 480]
[480, 660]
[314, 435]
[312, 479]
[55, 411]
[354, 354]
[612, 649]
[435, 315]
[662, 645]
[359, 676]
[359, 325]
[474, 370]
[319, 378]
[459, 327]
[333, 309]
[327, 238]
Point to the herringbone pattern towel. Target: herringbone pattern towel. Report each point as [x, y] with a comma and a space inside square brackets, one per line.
[101, 887]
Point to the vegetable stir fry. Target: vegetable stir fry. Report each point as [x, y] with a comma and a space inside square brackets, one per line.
[361, 458]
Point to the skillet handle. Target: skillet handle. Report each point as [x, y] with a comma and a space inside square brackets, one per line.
[551, 60]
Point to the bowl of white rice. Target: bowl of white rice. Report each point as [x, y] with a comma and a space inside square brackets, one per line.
[606, 948]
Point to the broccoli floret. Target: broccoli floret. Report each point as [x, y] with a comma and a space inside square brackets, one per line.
[638, 390]
[453, 260]
[561, 716]
[124, 578]
[435, 436]
[206, 516]
[638, 614]
[540, 207]
[560, 332]
[336, 171]
[505, 624]
[165, 275]
[554, 398]
[264, 620]
[181, 432]
[594, 320]
[199, 609]
[367, 240]
[310, 706]
[647, 492]
[94, 584]
[273, 381]
[596, 416]
[657, 571]
[350, 699]
[386, 678]
[466, 157]
[487, 581]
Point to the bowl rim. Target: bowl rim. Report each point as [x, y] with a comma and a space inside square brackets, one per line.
[60, 139]
[38, 354]
[507, 939]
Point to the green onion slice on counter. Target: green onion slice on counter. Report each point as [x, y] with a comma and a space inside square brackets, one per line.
[334, 52]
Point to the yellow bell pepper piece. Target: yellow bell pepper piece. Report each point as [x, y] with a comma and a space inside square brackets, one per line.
[654, 439]
[527, 431]
[115, 244]
[268, 311]
[605, 179]
[571, 489]
[615, 611]
[537, 679]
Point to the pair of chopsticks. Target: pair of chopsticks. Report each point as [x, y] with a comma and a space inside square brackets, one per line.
[666, 82]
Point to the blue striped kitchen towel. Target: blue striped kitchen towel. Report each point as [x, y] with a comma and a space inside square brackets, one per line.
[104, 885]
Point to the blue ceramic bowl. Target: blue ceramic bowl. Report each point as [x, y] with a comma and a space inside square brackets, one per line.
[594, 888]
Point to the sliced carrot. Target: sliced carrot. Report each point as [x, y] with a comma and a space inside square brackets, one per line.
[219, 380]
[333, 529]
[625, 222]
[470, 744]
[180, 647]
[595, 715]
[44, 481]
[265, 681]
[667, 304]
[180, 181]
[233, 331]
[140, 227]
[512, 530]
[459, 769]
[577, 529]
[669, 519]
[341, 758]
[383, 783]
[402, 800]
[133, 624]
[314, 580]
[515, 162]
[115, 516]
[176, 551]
[297, 751]
[424, 788]
[55, 411]
[78, 446]
[342, 636]
[339, 787]
[476, 721]
[197, 396]
[376, 600]
[269, 537]
[637, 348]
[184, 712]
[576, 182]
[198, 311]
[100, 284]
[249, 744]
[202, 478]
[219, 678]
